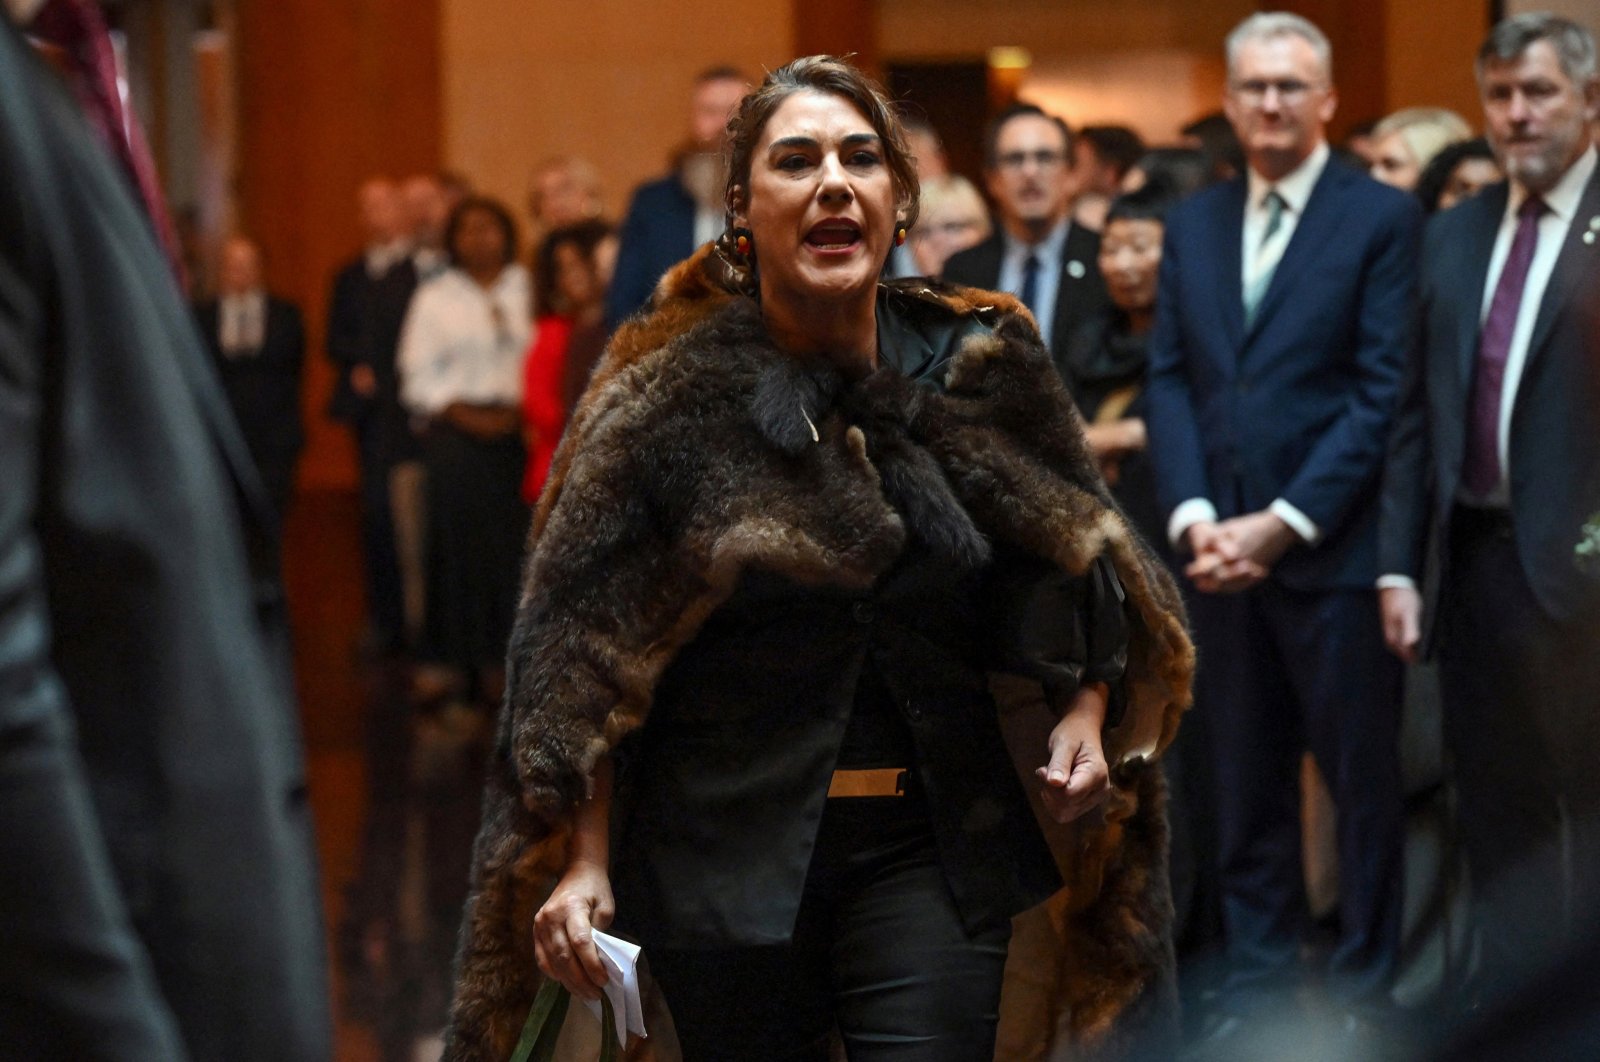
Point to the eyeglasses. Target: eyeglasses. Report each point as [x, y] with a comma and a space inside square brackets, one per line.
[1016, 160]
[1290, 90]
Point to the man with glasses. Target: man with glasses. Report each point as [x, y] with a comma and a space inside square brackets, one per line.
[1036, 253]
[1275, 367]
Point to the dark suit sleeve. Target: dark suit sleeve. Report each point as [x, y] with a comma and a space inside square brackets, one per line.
[1348, 458]
[76, 982]
[345, 340]
[966, 267]
[1404, 504]
[1175, 449]
[294, 362]
[631, 283]
[1060, 630]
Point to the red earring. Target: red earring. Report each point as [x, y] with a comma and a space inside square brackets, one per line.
[900, 236]
[742, 243]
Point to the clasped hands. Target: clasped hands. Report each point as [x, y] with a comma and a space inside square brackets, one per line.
[1236, 554]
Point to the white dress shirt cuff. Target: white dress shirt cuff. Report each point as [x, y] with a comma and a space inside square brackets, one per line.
[1186, 515]
[1298, 522]
[1396, 582]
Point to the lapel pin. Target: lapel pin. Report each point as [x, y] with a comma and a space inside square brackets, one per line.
[1075, 269]
[1594, 223]
[1588, 237]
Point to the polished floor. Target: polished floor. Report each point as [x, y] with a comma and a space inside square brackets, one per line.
[322, 573]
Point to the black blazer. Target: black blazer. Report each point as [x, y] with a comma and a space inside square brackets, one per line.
[1554, 453]
[1078, 298]
[365, 317]
[263, 386]
[154, 834]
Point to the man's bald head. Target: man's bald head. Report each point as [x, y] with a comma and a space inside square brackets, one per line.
[239, 266]
[23, 10]
[382, 219]
[427, 208]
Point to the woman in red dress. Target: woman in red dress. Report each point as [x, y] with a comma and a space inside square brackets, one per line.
[572, 271]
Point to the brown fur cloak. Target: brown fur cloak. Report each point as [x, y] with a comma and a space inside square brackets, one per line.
[691, 457]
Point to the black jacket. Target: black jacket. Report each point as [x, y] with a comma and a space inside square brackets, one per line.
[263, 387]
[1555, 445]
[758, 704]
[1081, 296]
[365, 317]
[156, 876]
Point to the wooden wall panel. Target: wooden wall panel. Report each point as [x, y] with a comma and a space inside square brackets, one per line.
[838, 27]
[1430, 55]
[1358, 31]
[607, 80]
[331, 92]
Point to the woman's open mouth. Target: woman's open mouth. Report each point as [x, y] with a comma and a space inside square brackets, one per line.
[834, 236]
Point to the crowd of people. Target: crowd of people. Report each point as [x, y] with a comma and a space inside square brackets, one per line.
[1342, 394]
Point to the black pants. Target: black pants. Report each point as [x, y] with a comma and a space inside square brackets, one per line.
[1282, 671]
[477, 522]
[381, 563]
[879, 953]
[1522, 724]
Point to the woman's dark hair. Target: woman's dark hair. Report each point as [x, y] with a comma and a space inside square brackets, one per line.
[1149, 203]
[1178, 171]
[1115, 144]
[496, 210]
[1215, 135]
[1435, 176]
[831, 76]
[991, 132]
[585, 236]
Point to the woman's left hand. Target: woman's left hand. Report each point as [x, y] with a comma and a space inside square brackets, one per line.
[1077, 779]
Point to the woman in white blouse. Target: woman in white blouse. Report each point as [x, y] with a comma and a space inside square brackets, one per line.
[461, 377]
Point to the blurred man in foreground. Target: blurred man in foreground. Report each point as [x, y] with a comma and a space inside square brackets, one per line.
[158, 900]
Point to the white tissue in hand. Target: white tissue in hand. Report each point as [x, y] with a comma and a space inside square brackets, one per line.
[621, 961]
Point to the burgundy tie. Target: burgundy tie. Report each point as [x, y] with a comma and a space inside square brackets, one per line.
[1481, 472]
[77, 28]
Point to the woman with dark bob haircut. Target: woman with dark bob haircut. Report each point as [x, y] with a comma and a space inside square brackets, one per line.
[814, 551]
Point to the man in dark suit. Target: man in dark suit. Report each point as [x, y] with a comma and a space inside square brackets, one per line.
[158, 899]
[365, 314]
[672, 215]
[259, 344]
[1275, 365]
[1495, 457]
[1036, 253]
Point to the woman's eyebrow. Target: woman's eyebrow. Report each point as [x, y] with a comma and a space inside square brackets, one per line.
[793, 142]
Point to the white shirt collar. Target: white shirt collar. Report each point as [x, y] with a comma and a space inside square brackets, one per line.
[1295, 186]
[1563, 199]
[1048, 249]
[245, 298]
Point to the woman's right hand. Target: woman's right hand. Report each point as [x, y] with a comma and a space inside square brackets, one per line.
[563, 930]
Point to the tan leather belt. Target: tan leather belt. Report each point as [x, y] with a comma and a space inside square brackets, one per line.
[874, 782]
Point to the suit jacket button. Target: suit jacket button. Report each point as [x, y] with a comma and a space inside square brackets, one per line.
[863, 612]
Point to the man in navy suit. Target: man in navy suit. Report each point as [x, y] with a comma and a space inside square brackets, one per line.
[1495, 456]
[1275, 367]
[671, 216]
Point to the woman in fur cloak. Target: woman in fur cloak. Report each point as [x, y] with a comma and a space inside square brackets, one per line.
[818, 529]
